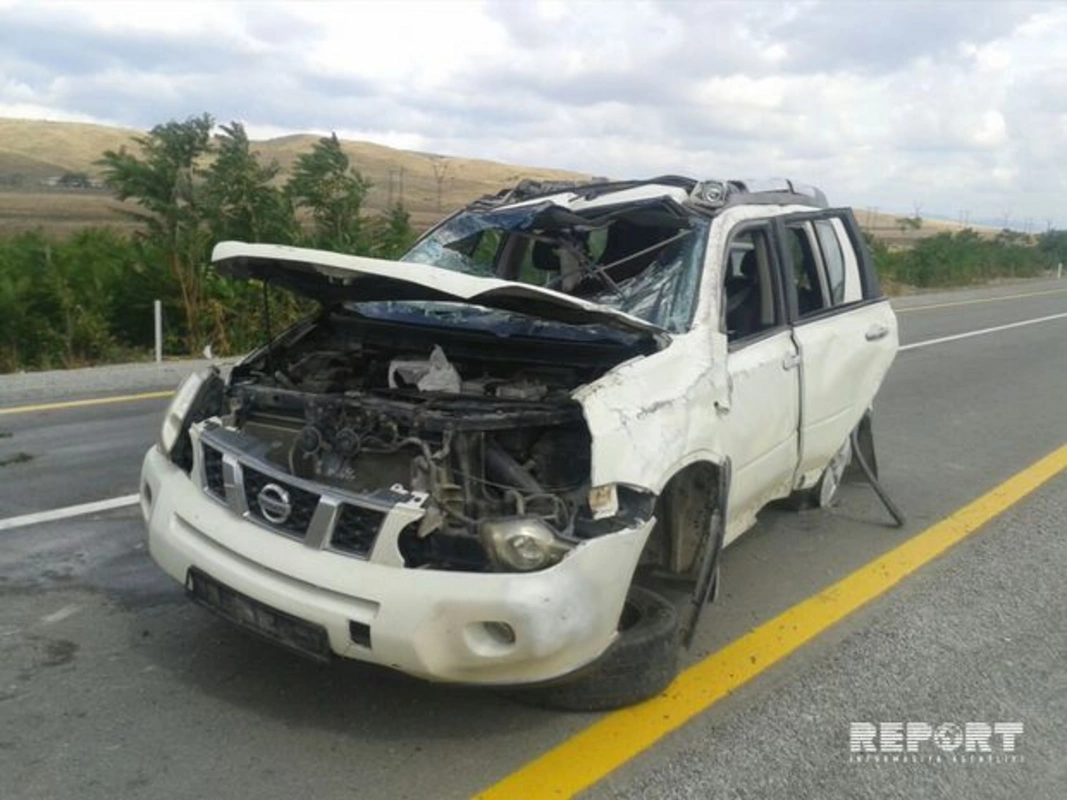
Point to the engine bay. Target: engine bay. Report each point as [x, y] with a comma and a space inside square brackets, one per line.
[485, 429]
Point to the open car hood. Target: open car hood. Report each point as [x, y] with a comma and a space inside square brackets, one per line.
[333, 277]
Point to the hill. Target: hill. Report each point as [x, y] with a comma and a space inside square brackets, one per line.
[35, 153]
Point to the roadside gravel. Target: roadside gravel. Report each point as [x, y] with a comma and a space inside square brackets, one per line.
[41, 387]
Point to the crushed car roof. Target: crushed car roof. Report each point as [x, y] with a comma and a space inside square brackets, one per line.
[708, 195]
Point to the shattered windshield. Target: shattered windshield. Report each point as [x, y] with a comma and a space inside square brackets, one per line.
[469, 242]
[641, 258]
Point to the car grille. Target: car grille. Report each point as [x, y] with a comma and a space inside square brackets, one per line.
[302, 503]
[213, 479]
[356, 529]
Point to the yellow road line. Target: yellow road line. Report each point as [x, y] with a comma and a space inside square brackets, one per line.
[95, 401]
[908, 310]
[584, 759]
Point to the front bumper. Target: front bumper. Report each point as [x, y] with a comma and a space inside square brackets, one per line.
[427, 623]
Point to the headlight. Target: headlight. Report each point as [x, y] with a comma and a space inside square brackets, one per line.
[198, 397]
[522, 543]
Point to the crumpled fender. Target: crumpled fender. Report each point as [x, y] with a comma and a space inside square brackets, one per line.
[649, 417]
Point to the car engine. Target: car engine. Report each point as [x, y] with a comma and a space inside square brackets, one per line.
[485, 429]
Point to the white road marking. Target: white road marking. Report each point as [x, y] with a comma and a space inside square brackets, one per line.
[62, 614]
[69, 511]
[982, 332]
[997, 299]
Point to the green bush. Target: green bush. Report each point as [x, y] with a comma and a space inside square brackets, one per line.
[88, 298]
[956, 259]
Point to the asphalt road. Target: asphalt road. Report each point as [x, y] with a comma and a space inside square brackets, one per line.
[112, 685]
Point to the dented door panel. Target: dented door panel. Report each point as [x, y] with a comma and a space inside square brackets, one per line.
[845, 357]
[760, 427]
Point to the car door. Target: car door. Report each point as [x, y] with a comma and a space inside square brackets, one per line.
[759, 427]
[844, 329]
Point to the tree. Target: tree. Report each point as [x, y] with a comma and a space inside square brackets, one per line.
[1054, 244]
[392, 235]
[325, 185]
[75, 180]
[241, 198]
[163, 181]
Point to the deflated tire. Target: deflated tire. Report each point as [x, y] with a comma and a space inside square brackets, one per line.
[639, 664]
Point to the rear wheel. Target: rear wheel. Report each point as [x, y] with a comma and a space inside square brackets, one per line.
[826, 489]
[822, 494]
[639, 664]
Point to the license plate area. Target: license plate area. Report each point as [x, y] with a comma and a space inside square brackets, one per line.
[295, 634]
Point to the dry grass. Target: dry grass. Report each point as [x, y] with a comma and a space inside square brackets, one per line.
[59, 212]
[30, 169]
[71, 146]
[886, 228]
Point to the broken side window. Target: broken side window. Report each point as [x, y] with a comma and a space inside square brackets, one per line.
[664, 292]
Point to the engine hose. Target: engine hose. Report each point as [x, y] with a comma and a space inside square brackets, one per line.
[868, 473]
[501, 467]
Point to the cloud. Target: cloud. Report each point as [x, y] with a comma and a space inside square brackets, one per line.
[883, 105]
[889, 36]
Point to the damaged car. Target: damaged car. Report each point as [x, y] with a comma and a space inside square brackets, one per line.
[513, 457]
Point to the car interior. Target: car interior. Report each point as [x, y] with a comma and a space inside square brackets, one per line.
[748, 285]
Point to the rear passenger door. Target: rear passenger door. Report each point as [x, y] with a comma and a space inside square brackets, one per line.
[843, 327]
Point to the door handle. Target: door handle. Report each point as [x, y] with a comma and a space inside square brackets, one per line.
[876, 332]
[790, 361]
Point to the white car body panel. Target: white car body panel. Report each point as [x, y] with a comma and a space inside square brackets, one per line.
[841, 370]
[427, 623]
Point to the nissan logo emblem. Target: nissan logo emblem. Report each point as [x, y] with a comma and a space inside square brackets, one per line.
[274, 503]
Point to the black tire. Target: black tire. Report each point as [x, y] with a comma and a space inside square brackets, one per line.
[639, 664]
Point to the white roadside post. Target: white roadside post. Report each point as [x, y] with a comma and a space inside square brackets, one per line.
[1059, 271]
[157, 308]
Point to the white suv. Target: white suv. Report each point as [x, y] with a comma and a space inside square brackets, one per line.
[497, 460]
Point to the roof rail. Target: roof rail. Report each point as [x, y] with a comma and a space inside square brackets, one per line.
[712, 193]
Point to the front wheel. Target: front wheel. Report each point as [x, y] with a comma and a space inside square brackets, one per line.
[639, 664]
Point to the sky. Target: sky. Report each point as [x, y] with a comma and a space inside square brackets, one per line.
[953, 109]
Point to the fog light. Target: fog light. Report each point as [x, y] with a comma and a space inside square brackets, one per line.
[500, 632]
